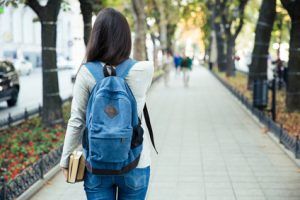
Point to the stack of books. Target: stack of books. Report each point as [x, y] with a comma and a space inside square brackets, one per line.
[76, 167]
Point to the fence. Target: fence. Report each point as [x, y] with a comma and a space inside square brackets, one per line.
[14, 188]
[289, 142]
[22, 116]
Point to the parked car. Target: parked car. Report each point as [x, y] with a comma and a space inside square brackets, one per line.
[23, 67]
[9, 83]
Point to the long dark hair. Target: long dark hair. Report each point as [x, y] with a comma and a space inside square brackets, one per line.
[110, 40]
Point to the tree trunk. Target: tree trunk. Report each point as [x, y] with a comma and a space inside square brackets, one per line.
[221, 57]
[152, 36]
[139, 52]
[259, 65]
[208, 47]
[230, 67]
[293, 85]
[171, 28]
[86, 7]
[52, 110]
[163, 31]
[146, 52]
[155, 63]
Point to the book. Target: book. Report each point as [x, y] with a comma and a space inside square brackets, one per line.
[76, 167]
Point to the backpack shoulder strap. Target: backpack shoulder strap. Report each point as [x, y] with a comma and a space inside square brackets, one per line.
[95, 68]
[148, 124]
[124, 68]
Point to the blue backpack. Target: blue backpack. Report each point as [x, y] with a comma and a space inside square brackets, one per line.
[113, 138]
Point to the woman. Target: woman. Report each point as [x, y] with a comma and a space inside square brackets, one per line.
[110, 43]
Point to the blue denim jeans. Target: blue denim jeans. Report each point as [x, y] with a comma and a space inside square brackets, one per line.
[130, 186]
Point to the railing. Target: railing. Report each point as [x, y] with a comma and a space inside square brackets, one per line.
[14, 188]
[23, 116]
[289, 142]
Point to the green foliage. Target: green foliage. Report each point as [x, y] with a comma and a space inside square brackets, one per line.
[10, 2]
[65, 5]
[1, 9]
[282, 25]
[251, 13]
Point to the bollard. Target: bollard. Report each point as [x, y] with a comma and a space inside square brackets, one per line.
[41, 165]
[40, 110]
[297, 147]
[25, 114]
[9, 119]
[3, 189]
[280, 133]
[273, 110]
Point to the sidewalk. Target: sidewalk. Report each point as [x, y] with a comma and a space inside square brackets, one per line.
[209, 148]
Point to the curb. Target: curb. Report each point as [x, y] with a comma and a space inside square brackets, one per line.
[39, 184]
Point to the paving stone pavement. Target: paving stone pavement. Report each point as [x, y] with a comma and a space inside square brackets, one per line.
[209, 147]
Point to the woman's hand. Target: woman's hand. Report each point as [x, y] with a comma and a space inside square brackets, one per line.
[65, 173]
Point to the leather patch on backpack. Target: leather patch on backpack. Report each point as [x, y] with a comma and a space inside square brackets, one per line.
[111, 111]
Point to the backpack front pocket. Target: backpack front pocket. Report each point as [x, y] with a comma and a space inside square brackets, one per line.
[110, 147]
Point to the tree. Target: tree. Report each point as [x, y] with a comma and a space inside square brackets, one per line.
[52, 110]
[139, 52]
[88, 8]
[161, 5]
[259, 65]
[173, 16]
[166, 14]
[153, 28]
[293, 85]
[171, 28]
[232, 19]
[221, 54]
[211, 30]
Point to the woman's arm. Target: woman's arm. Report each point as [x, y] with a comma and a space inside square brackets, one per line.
[139, 80]
[76, 123]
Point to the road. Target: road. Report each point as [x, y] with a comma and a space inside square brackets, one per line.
[30, 95]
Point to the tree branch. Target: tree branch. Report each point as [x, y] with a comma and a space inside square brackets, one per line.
[35, 6]
[287, 4]
[53, 3]
[54, 7]
[136, 7]
[157, 18]
[224, 18]
[242, 16]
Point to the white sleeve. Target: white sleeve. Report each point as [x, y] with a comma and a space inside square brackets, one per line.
[139, 80]
[76, 123]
